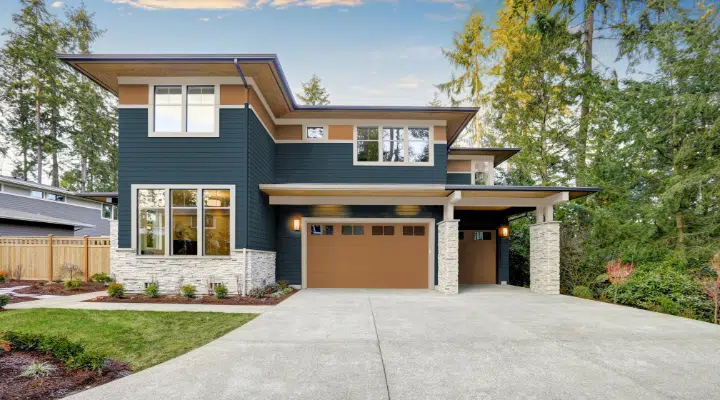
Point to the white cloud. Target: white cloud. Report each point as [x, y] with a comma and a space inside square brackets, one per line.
[232, 4]
[204, 19]
[408, 82]
[56, 4]
[367, 90]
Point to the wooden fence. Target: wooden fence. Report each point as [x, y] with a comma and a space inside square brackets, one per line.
[43, 257]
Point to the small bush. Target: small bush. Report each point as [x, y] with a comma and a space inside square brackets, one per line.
[37, 370]
[287, 290]
[272, 288]
[257, 293]
[73, 284]
[582, 291]
[152, 290]
[221, 291]
[283, 284]
[102, 278]
[116, 290]
[3, 277]
[277, 295]
[188, 291]
[4, 300]
[73, 355]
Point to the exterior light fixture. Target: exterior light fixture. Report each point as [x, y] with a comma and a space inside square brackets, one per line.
[296, 224]
[504, 231]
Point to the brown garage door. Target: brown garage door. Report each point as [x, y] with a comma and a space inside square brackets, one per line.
[367, 256]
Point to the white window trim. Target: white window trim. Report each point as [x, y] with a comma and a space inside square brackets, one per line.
[168, 201]
[183, 114]
[325, 132]
[113, 208]
[406, 142]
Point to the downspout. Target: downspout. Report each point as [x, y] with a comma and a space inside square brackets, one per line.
[247, 155]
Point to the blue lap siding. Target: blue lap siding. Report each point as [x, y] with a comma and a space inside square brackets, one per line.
[459, 179]
[261, 169]
[333, 163]
[289, 251]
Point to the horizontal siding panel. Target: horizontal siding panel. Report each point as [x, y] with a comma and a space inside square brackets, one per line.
[459, 179]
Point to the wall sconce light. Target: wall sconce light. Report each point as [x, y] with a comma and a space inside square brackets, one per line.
[504, 231]
[296, 224]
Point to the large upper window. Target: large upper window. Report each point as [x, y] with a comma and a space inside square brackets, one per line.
[199, 221]
[392, 145]
[184, 110]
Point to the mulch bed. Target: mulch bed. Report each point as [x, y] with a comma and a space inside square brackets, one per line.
[15, 282]
[59, 383]
[57, 289]
[16, 299]
[234, 300]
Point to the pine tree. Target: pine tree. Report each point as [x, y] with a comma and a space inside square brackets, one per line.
[436, 101]
[314, 93]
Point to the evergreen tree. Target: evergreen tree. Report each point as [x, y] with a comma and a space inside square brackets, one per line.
[314, 94]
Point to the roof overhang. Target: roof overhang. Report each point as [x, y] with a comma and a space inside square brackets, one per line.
[266, 73]
[499, 154]
[6, 213]
[105, 197]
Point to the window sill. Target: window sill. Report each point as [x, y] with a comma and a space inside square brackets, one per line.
[393, 164]
[183, 134]
[183, 257]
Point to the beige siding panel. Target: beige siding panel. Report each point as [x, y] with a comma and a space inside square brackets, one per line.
[232, 95]
[261, 111]
[340, 132]
[133, 95]
[459, 166]
[440, 133]
[288, 132]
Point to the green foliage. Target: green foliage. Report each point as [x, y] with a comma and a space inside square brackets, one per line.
[287, 290]
[4, 300]
[257, 293]
[221, 291]
[277, 295]
[37, 370]
[116, 290]
[152, 290]
[3, 277]
[73, 355]
[582, 291]
[314, 94]
[102, 278]
[272, 288]
[283, 284]
[188, 291]
[72, 284]
[664, 288]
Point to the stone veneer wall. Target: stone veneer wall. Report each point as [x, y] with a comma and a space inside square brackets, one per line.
[448, 256]
[545, 258]
[173, 272]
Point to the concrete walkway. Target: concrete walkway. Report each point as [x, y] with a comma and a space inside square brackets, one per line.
[491, 342]
[77, 302]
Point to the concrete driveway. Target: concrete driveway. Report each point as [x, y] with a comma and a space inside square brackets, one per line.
[488, 342]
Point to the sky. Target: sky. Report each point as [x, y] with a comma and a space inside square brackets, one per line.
[367, 52]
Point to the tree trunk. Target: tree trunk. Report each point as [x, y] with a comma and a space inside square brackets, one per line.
[39, 134]
[83, 173]
[25, 167]
[582, 136]
[55, 170]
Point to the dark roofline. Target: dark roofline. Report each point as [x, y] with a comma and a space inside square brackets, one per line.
[498, 188]
[501, 153]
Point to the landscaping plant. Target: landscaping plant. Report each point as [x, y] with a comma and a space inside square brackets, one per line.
[71, 271]
[283, 284]
[711, 285]
[221, 291]
[287, 290]
[257, 293]
[37, 370]
[3, 277]
[188, 291]
[73, 284]
[618, 272]
[152, 290]
[4, 300]
[272, 288]
[102, 277]
[73, 355]
[583, 292]
[116, 290]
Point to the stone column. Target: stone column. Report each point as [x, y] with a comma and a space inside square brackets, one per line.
[545, 258]
[113, 244]
[448, 257]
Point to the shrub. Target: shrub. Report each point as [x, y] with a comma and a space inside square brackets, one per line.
[287, 290]
[221, 291]
[582, 291]
[73, 355]
[152, 290]
[71, 270]
[188, 291]
[258, 293]
[73, 284]
[272, 288]
[4, 300]
[283, 284]
[3, 277]
[277, 295]
[102, 278]
[37, 370]
[116, 290]
[665, 289]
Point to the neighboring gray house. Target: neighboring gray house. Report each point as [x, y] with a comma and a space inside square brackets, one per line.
[32, 209]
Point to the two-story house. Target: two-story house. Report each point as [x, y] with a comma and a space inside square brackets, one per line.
[224, 178]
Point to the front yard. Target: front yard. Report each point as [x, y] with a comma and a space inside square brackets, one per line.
[140, 338]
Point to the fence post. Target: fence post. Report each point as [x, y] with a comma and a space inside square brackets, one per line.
[87, 260]
[50, 251]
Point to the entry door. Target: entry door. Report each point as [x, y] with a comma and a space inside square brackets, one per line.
[374, 255]
[478, 263]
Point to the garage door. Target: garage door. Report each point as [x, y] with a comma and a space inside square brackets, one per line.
[367, 256]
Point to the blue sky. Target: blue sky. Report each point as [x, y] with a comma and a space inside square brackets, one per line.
[367, 52]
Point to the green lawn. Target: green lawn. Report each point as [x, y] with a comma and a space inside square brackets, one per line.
[141, 338]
